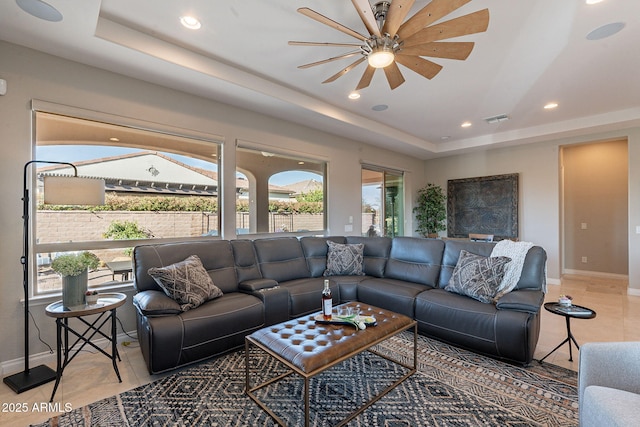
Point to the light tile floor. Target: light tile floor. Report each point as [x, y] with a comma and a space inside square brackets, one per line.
[90, 377]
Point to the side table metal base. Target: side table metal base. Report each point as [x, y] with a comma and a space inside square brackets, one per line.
[568, 339]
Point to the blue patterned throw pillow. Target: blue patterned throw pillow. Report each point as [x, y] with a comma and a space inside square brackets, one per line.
[477, 276]
[345, 260]
[187, 282]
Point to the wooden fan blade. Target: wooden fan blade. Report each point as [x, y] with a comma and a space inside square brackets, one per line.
[365, 81]
[330, 22]
[429, 14]
[344, 71]
[296, 43]
[334, 58]
[394, 76]
[398, 10]
[449, 50]
[421, 66]
[366, 14]
[475, 22]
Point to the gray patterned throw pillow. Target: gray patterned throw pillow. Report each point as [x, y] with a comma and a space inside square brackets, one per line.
[187, 282]
[477, 276]
[345, 260]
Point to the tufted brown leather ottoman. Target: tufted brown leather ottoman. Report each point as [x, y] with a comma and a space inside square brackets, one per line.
[309, 348]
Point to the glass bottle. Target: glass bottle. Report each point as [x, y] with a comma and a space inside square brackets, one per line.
[327, 301]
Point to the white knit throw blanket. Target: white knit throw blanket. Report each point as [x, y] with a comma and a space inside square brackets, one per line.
[517, 251]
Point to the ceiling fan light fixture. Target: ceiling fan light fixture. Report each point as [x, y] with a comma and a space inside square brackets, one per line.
[380, 58]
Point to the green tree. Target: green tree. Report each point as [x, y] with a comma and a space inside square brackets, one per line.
[126, 230]
[312, 196]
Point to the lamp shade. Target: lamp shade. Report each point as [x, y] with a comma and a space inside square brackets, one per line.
[65, 190]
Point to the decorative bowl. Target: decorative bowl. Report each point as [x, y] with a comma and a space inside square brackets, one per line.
[92, 299]
[564, 301]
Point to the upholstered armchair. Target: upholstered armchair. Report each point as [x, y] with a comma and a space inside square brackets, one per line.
[609, 384]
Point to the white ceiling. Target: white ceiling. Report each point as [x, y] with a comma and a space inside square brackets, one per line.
[533, 52]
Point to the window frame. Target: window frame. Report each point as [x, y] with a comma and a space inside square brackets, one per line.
[37, 107]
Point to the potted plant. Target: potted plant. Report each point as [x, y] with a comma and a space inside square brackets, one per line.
[73, 269]
[430, 210]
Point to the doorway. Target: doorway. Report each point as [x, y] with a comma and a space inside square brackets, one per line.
[594, 180]
[382, 202]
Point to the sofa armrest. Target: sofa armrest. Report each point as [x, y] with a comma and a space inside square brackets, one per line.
[254, 285]
[155, 303]
[609, 364]
[527, 300]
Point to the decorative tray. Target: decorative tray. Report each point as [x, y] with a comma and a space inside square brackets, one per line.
[368, 320]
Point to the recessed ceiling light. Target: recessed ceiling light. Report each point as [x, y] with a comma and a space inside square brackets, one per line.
[40, 9]
[354, 95]
[190, 22]
[605, 31]
[551, 106]
[114, 139]
[301, 163]
[379, 107]
[466, 124]
[592, 1]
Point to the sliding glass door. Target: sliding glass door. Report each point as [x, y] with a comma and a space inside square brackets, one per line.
[382, 202]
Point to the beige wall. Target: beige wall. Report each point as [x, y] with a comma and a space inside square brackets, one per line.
[539, 207]
[595, 204]
[31, 75]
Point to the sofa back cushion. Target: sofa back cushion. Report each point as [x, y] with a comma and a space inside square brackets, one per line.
[533, 274]
[315, 251]
[216, 257]
[376, 253]
[246, 260]
[415, 259]
[281, 259]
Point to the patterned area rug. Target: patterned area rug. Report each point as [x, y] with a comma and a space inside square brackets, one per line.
[452, 387]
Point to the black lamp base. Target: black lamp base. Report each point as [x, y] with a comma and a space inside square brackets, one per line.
[23, 381]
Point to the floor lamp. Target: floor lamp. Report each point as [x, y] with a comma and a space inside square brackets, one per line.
[58, 190]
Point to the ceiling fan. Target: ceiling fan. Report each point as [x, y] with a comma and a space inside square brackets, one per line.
[391, 42]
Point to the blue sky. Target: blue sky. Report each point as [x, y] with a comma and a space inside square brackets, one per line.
[77, 153]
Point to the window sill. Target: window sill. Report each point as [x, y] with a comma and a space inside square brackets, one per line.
[40, 300]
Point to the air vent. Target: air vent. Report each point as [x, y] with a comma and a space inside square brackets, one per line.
[497, 119]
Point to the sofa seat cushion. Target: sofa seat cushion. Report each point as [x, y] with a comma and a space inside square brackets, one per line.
[213, 328]
[604, 406]
[391, 294]
[454, 317]
[305, 295]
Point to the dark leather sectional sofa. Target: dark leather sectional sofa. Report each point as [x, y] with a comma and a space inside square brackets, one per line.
[267, 281]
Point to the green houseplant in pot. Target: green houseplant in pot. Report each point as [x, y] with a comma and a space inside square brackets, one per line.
[74, 271]
[430, 210]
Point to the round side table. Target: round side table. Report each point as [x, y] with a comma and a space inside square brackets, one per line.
[105, 308]
[568, 311]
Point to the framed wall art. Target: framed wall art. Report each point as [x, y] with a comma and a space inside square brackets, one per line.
[484, 205]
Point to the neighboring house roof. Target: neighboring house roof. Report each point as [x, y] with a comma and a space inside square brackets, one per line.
[153, 172]
[305, 186]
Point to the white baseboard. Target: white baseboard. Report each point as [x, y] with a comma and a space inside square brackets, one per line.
[633, 292]
[45, 358]
[597, 274]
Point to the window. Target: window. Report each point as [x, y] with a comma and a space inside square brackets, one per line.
[382, 202]
[278, 193]
[157, 185]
